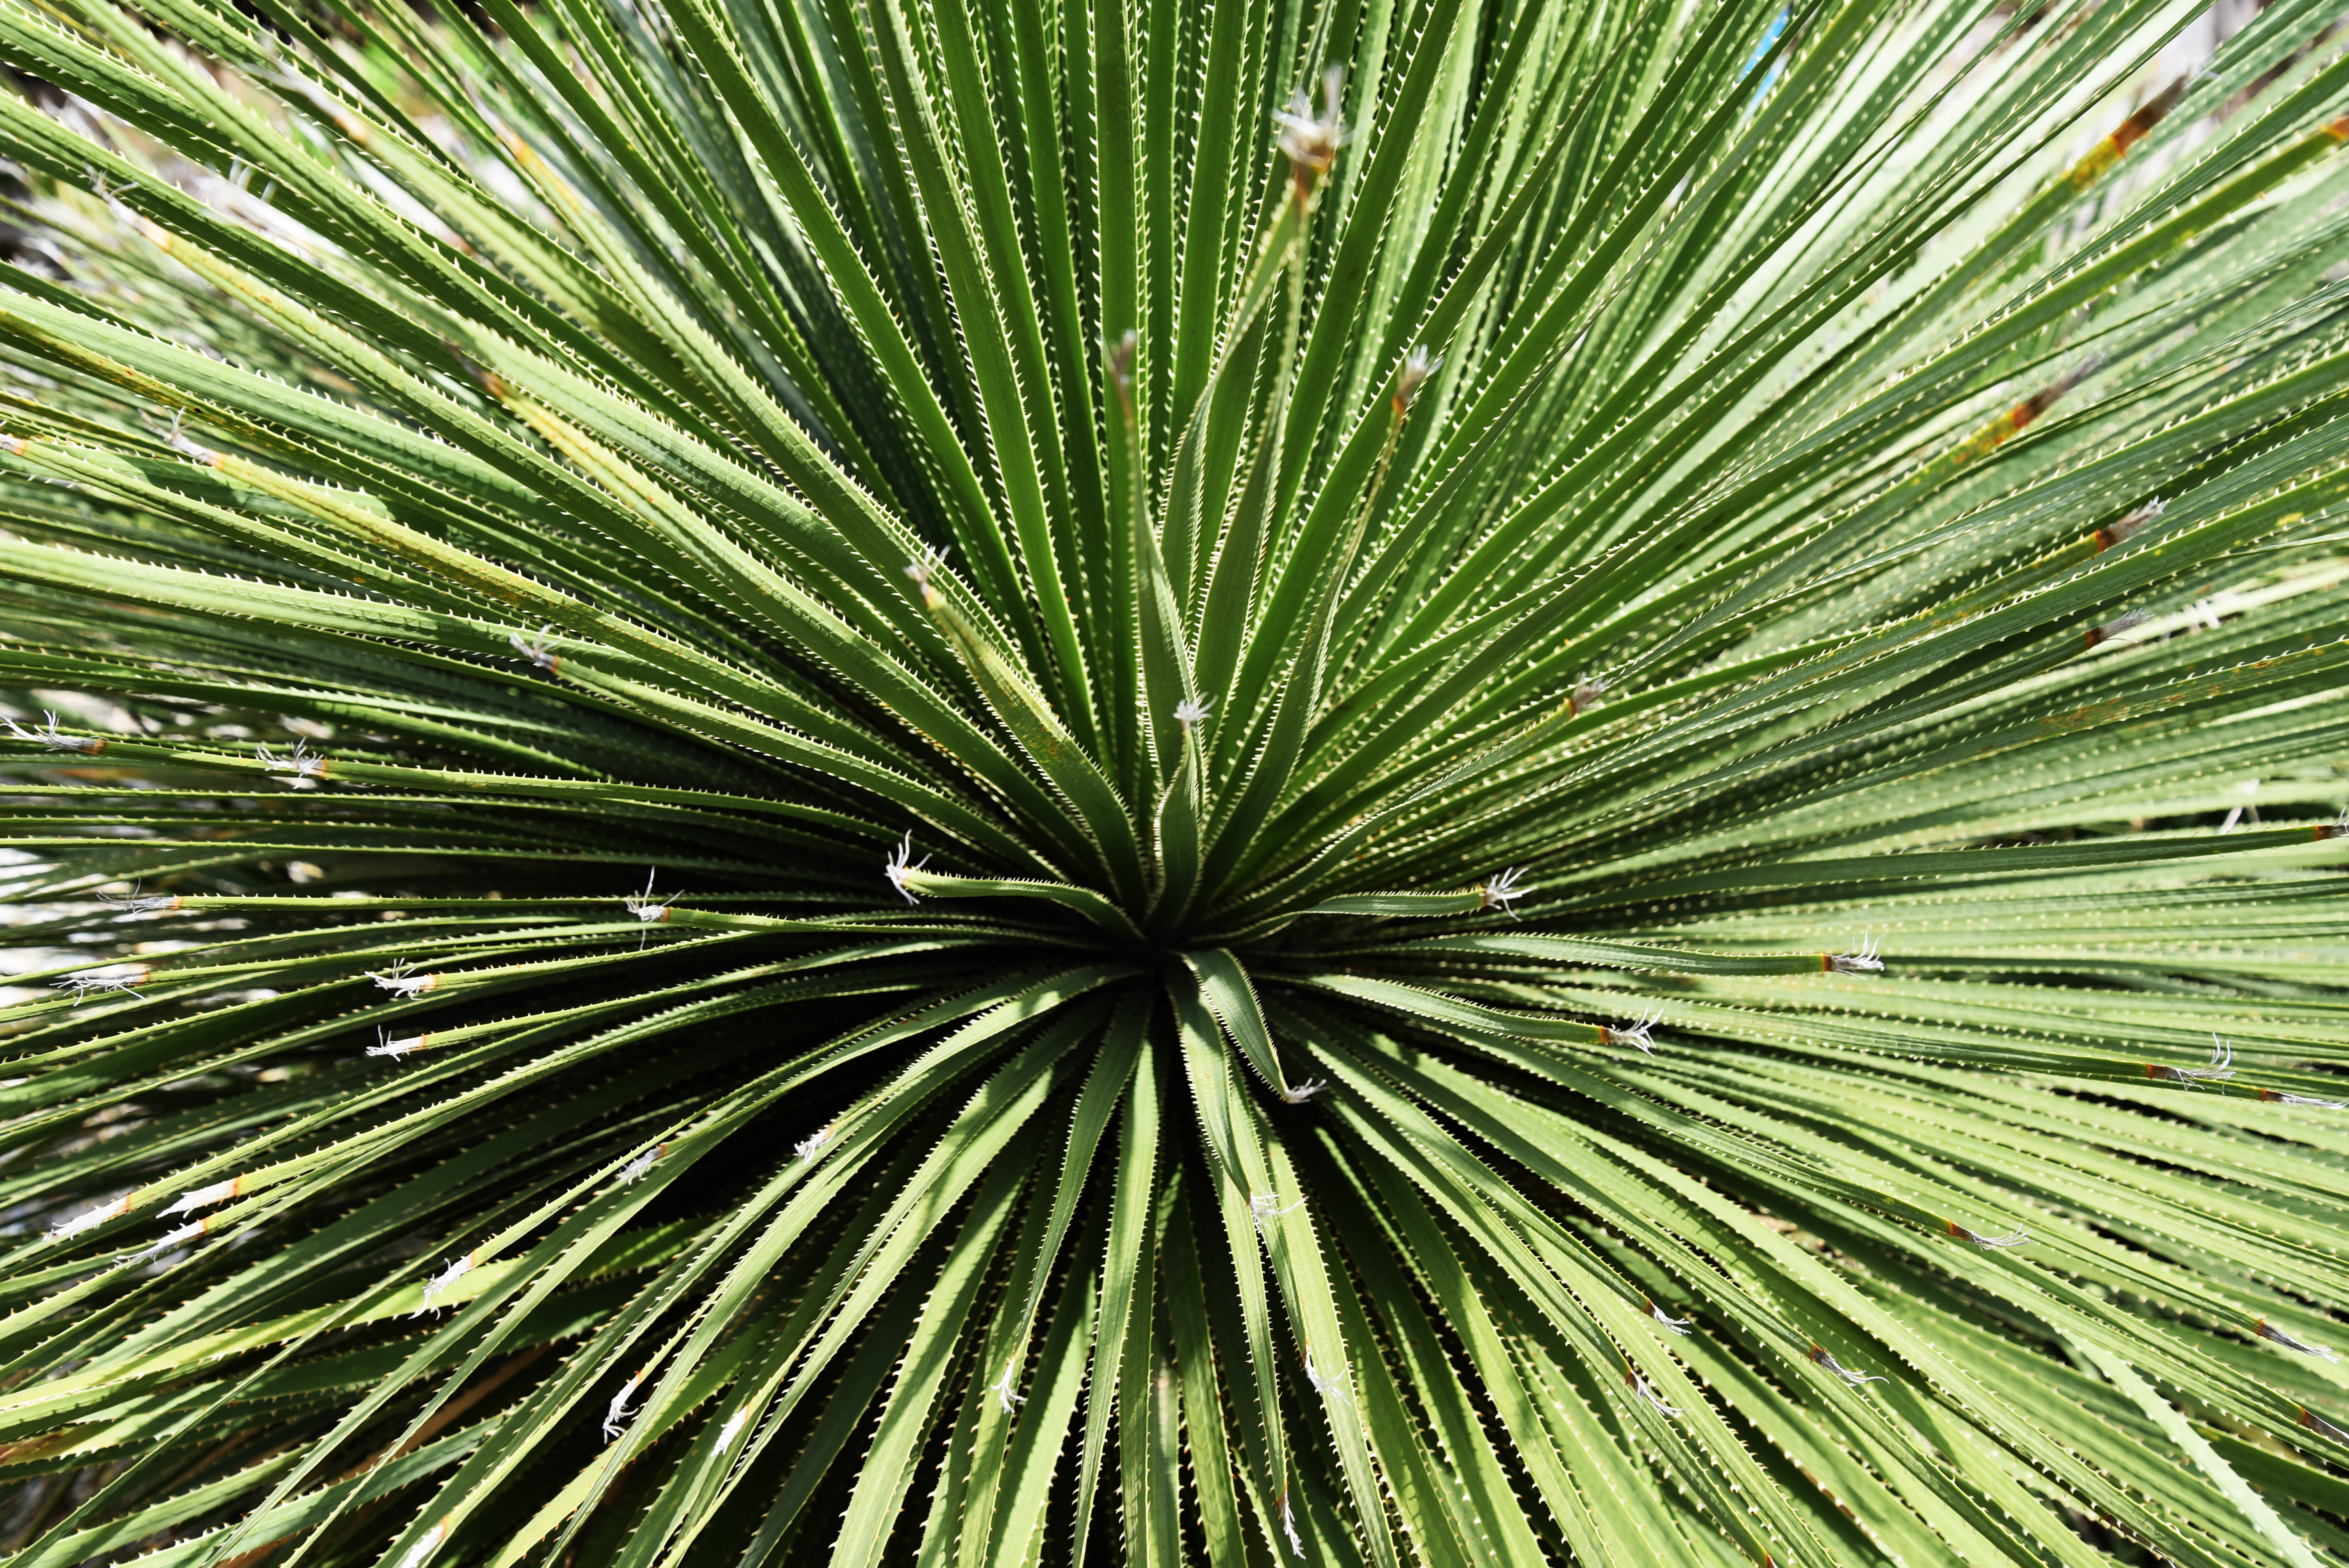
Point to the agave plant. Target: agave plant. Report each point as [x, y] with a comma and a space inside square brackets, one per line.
[1444, 782]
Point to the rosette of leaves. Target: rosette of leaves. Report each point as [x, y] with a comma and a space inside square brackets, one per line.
[1442, 782]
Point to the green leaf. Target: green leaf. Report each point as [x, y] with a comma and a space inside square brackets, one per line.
[1443, 784]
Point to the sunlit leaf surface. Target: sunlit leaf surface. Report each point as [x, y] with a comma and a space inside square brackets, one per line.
[1452, 782]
